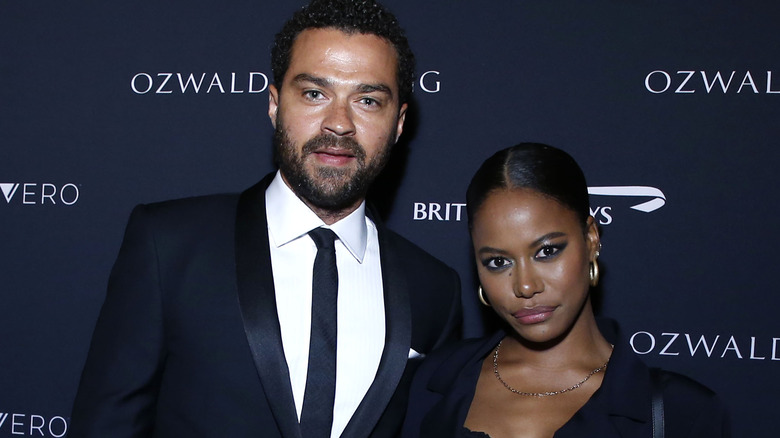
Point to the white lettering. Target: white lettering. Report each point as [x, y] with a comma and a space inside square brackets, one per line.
[8, 191]
[72, 199]
[233, 84]
[605, 219]
[437, 84]
[666, 87]
[252, 79]
[50, 195]
[731, 345]
[433, 209]
[652, 342]
[215, 81]
[679, 89]
[14, 424]
[190, 80]
[38, 427]
[165, 81]
[57, 426]
[25, 193]
[64, 428]
[748, 80]
[702, 341]
[135, 88]
[605, 214]
[718, 78]
[419, 211]
[458, 210]
[769, 89]
[663, 351]
[753, 349]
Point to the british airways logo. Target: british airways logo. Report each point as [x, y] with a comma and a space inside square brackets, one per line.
[642, 198]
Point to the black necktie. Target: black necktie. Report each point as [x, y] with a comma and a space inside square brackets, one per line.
[317, 413]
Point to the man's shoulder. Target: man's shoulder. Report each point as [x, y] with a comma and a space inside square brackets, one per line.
[411, 251]
[192, 204]
[190, 208]
[186, 215]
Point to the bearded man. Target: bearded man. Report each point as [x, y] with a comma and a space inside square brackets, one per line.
[288, 310]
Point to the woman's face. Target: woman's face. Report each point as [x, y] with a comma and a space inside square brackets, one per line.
[533, 259]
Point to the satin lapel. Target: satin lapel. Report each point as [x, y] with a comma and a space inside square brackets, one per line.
[258, 306]
[398, 339]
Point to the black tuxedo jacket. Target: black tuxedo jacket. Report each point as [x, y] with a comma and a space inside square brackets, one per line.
[188, 340]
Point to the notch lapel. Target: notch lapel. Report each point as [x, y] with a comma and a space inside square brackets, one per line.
[258, 306]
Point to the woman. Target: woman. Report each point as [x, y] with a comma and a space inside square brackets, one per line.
[554, 370]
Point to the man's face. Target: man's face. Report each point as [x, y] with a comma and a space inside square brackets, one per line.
[336, 116]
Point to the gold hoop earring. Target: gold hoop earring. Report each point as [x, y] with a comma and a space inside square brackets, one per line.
[594, 273]
[481, 295]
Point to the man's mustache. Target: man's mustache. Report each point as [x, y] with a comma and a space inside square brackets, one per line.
[330, 141]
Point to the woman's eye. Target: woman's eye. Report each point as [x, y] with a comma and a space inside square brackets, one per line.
[496, 263]
[549, 251]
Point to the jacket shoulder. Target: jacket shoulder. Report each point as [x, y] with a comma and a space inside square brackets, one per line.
[412, 252]
[195, 206]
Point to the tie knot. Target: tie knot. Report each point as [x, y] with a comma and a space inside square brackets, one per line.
[323, 237]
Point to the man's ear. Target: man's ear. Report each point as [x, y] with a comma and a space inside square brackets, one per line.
[273, 103]
[401, 118]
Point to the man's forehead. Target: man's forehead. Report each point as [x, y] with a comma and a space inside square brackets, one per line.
[364, 51]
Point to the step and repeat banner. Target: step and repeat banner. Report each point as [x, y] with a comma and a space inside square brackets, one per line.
[672, 109]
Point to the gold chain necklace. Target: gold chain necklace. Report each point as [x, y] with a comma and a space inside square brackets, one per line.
[541, 394]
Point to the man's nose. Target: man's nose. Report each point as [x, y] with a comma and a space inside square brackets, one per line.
[338, 119]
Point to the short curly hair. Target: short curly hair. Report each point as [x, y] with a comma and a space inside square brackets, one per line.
[348, 16]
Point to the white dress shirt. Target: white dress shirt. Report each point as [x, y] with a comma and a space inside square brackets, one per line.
[361, 311]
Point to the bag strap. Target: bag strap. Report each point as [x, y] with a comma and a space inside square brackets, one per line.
[657, 383]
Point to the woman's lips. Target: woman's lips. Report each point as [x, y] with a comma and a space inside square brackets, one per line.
[534, 315]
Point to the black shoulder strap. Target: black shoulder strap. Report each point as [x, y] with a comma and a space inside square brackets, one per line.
[657, 383]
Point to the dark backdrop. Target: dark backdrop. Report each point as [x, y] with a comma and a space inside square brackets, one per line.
[671, 102]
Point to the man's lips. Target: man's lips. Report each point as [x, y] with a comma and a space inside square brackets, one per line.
[334, 156]
[534, 315]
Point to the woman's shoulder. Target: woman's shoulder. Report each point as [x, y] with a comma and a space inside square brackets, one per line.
[449, 363]
[463, 350]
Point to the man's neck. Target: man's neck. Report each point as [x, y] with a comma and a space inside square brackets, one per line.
[331, 216]
[328, 215]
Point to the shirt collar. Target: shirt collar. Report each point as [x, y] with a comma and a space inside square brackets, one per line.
[292, 219]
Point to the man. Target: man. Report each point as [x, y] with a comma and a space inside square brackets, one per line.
[215, 303]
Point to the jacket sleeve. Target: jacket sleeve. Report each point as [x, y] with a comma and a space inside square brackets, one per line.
[118, 389]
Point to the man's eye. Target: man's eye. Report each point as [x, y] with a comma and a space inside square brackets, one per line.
[312, 94]
[367, 101]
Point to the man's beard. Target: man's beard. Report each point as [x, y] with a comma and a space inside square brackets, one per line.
[328, 188]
